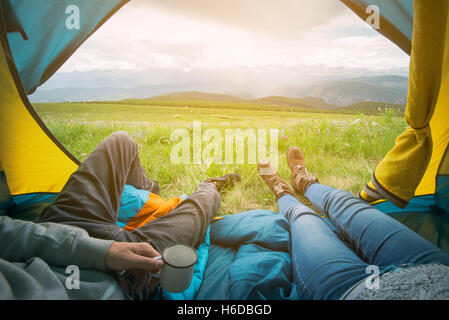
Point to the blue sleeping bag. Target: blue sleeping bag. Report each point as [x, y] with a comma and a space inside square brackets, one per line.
[249, 258]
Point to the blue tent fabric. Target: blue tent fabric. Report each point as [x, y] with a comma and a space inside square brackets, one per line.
[396, 15]
[423, 216]
[442, 192]
[397, 12]
[38, 48]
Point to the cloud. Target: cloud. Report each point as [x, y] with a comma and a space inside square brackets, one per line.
[284, 18]
[217, 34]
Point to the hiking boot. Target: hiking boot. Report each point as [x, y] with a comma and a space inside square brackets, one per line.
[301, 179]
[272, 179]
[151, 186]
[224, 182]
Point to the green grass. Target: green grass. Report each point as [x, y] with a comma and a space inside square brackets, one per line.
[342, 150]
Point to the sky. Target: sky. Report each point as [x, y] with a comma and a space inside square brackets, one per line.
[214, 34]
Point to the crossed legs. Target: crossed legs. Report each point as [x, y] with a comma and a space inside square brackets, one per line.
[91, 199]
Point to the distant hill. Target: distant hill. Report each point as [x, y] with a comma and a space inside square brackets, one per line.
[198, 99]
[391, 89]
[196, 96]
[202, 99]
[305, 102]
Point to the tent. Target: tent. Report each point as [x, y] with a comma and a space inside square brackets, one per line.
[411, 183]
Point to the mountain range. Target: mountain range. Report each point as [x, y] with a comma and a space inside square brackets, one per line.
[392, 89]
[337, 86]
[198, 99]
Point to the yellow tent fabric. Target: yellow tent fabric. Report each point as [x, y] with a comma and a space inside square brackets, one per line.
[439, 163]
[410, 168]
[30, 156]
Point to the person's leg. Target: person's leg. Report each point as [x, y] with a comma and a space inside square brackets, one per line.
[323, 266]
[187, 223]
[376, 237]
[91, 197]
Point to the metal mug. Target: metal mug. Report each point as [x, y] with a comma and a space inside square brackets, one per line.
[177, 272]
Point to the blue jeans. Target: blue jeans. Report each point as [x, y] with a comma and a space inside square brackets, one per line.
[326, 263]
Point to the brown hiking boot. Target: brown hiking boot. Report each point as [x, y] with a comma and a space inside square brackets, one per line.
[226, 181]
[301, 179]
[151, 186]
[272, 179]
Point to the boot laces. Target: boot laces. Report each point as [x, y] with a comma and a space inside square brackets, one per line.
[300, 171]
[277, 184]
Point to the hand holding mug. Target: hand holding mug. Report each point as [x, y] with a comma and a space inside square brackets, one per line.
[138, 259]
[179, 262]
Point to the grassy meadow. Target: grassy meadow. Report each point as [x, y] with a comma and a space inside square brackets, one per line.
[342, 150]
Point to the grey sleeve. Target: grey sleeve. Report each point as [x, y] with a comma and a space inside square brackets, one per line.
[57, 244]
